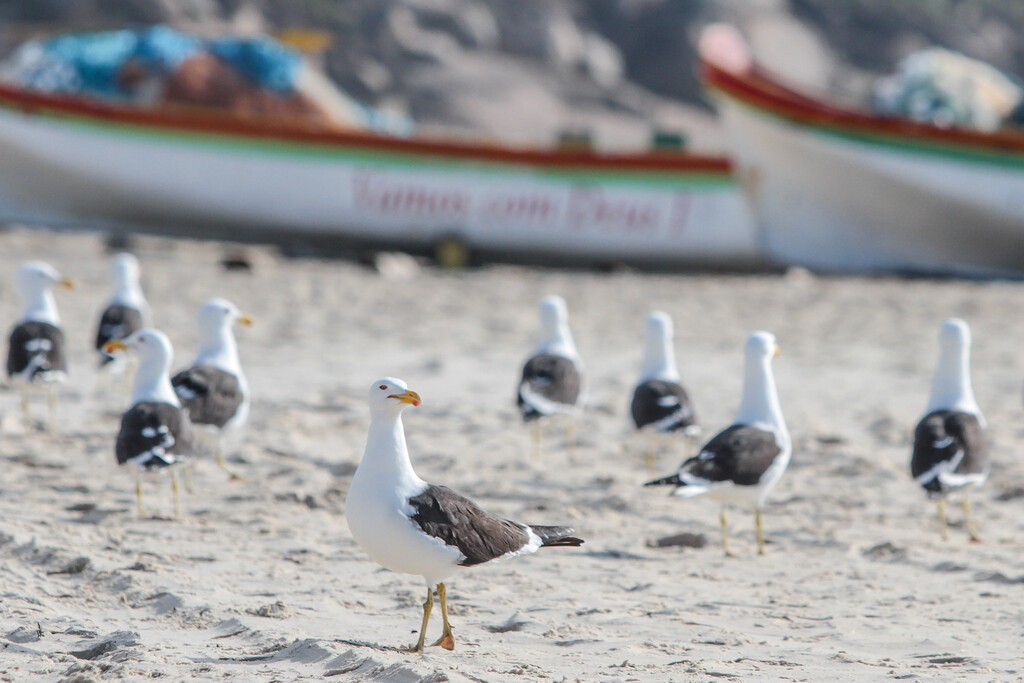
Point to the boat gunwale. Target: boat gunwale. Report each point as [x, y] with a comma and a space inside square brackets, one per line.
[761, 89]
[267, 129]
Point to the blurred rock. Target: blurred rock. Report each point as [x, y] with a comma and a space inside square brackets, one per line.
[539, 30]
[793, 49]
[373, 76]
[477, 27]
[396, 265]
[602, 61]
[685, 540]
[523, 70]
[417, 41]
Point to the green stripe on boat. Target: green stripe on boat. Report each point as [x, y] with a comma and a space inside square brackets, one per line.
[414, 160]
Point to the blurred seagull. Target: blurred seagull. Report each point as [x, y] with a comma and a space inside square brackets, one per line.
[950, 453]
[214, 389]
[660, 406]
[744, 461]
[155, 432]
[409, 526]
[553, 376]
[36, 355]
[127, 311]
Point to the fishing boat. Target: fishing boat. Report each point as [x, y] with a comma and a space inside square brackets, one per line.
[189, 171]
[839, 188]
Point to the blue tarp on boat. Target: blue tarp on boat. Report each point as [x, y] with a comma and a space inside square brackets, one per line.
[90, 63]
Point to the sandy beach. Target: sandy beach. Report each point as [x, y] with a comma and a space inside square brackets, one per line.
[260, 580]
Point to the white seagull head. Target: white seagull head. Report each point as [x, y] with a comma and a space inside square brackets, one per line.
[761, 346]
[124, 270]
[555, 336]
[391, 395]
[951, 383]
[658, 326]
[554, 314]
[155, 355]
[659, 361]
[760, 403]
[954, 338]
[149, 344]
[35, 277]
[218, 314]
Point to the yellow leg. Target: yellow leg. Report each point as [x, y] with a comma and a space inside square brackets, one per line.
[102, 380]
[689, 445]
[176, 490]
[447, 640]
[428, 605]
[221, 463]
[51, 424]
[189, 484]
[649, 459]
[535, 441]
[969, 518]
[942, 519]
[570, 438]
[138, 493]
[127, 378]
[759, 525]
[725, 533]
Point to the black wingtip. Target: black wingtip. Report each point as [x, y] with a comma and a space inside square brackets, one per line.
[570, 541]
[671, 480]
[528, 412]
[554, 536]
[934, 487]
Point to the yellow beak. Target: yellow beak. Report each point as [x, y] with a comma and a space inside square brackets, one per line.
[114, 345]
[245, 319]
[66, 283]
[410, 397]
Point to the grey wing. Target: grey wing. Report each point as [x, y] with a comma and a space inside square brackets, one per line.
[117, 322]
[461, 523]
[550, 384]
[36, 349]
[212, 396]
[153, 435]
[664, 406]
[740, 454]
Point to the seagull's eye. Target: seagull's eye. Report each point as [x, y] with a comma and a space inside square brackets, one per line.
[383, 387]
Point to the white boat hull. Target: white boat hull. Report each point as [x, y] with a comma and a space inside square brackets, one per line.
[841, 189]
[835, 204]
[217, 185]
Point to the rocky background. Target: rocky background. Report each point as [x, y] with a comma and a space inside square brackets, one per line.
[530, 70]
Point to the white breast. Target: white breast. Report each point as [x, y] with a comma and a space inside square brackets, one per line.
[379, 517]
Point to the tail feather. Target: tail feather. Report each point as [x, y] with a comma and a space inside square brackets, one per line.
[671, 480]
[554, 536]
[933, 487]
[37, 365]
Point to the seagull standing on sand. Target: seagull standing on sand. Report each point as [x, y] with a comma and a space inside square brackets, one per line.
[744, 461]
[660, 406]
[553, 376]
[155, 432]
[410, 526]
[36, 355]
[950, 453]
[214, 389]
[127, 310]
